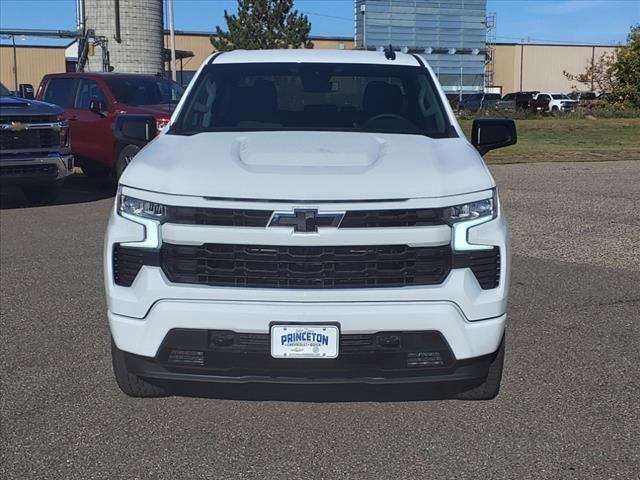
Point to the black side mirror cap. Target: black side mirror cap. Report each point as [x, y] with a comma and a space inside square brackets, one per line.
[491, 133]
[133, 129]
[99, 107]
[25, 91]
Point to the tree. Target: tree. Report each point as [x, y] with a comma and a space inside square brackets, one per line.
[617, 74]
[598, 75]
[261, 24]
[627, 71]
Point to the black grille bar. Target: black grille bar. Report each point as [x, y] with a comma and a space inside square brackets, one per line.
[43, 170]
[228, 217]
[392, 218]
[305, 267]
[128, 261]
[37, 138]
[485, 265]
[218, 216]
[28, 119]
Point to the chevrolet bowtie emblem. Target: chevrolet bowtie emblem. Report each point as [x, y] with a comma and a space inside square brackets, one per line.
[17, 126]
[306, 220]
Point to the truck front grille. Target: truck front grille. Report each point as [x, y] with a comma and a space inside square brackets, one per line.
[26, 139]
[258, 266]
[314, 267]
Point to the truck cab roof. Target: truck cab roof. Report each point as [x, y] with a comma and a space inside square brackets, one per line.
[314, 56]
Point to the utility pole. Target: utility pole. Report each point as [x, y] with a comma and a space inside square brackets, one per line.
[172, 42]
[521, 62]
[15, 63]
[363, 10]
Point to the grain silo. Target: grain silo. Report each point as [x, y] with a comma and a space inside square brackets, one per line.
[133, 30]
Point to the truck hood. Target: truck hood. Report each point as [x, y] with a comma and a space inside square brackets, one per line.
[308, 166]
[16, 106]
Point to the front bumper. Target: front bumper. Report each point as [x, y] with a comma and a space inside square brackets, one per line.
[34, 170]
[230, 357]
[466, 339]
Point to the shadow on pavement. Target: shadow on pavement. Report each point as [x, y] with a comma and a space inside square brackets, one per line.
[77, 189]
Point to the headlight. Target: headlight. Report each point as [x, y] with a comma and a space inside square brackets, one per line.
[141, 208]
[470, 211]
[148, 214]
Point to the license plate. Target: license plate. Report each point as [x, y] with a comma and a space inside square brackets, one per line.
[304, 341]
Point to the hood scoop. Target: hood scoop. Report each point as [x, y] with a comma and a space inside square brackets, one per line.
[312, 152]
[13, 102]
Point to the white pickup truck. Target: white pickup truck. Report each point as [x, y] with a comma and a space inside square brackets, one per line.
[558, 102]
[309, 217]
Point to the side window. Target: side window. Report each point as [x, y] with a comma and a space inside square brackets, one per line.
[544, 97]
[60, 91]
[89, 91]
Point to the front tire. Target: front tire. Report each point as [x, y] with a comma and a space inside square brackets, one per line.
[130, 383]
[42, 194]
[124, 158]
[490, 387]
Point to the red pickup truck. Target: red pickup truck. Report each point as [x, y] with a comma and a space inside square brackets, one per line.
[92, 101]
[539, 104]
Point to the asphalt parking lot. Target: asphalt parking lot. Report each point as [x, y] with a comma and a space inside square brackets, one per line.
[568, 408]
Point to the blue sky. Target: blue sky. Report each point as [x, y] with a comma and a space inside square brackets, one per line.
[543, 21]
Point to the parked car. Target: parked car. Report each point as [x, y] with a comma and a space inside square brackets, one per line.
[92, 101]
[588, 100]
[479, 101]
[34, 147]
[515, 101]
[539, 104]
[558, 102]
[309, 217]
[582, 96]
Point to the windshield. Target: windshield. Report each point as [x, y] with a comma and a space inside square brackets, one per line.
[559, 96]
[144, 91]
[313, 96]
[4, 91]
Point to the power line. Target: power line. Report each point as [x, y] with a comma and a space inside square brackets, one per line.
[327, 16]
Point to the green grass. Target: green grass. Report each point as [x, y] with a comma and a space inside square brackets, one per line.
[570, 139]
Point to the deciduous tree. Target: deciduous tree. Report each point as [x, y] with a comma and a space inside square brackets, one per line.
[617, 74]
[627, 71]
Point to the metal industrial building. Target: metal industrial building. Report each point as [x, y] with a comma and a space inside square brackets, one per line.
[450, 34]
[454, 36]
[528, 66]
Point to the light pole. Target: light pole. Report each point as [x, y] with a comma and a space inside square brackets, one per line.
[15, 63]
[172, 41]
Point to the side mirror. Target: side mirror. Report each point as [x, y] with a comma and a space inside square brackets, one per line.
[25, 90]
[491, 133]
[133, 129]
[99, 107]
